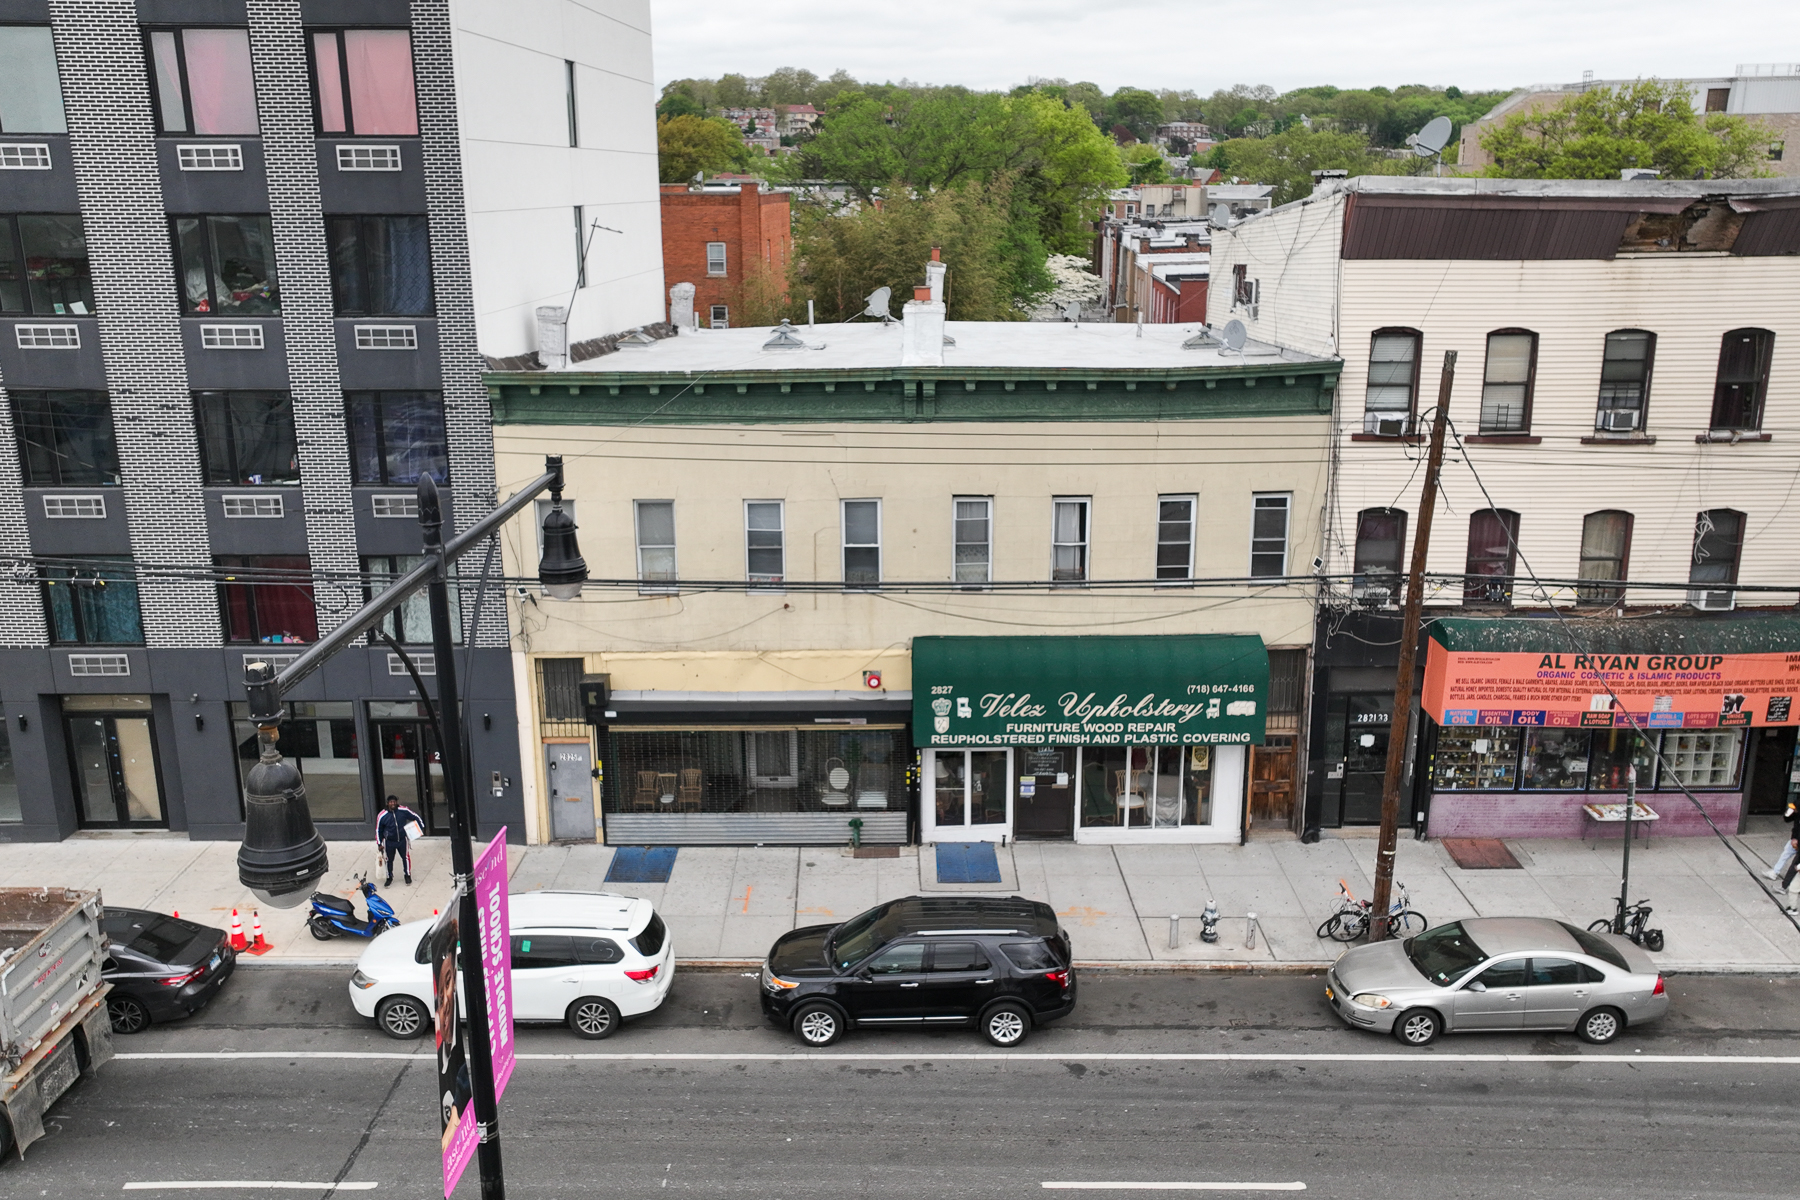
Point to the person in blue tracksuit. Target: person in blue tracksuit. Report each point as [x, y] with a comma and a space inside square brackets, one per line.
[390, 837]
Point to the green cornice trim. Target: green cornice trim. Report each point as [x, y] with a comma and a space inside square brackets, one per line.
[910, 394]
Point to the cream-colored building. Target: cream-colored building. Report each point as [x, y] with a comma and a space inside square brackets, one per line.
[770, 526]
[1625, 385]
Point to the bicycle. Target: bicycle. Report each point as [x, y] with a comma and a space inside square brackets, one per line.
[1636, 918]
[1351, 920]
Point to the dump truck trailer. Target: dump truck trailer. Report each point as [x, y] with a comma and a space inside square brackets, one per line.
[53, 1024]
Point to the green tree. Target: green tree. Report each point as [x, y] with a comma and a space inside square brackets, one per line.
[737, 91]
[839, 260]
[1137, 110]
[680, 102]
[788, 85]
[1143, 163]
[1651, 124]
[688, 145]
[1289, 158]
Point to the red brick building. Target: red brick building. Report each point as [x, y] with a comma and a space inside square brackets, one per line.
[716, 238]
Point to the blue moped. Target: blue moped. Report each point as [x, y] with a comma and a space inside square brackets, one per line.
[333, 917]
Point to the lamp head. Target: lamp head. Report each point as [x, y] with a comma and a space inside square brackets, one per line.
[282, 857]
[562, 570]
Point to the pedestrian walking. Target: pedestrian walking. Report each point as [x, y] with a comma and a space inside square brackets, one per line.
[391, 839]
[1789, 851]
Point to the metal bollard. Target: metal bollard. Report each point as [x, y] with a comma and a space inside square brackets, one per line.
[1174, 931]
[1250, 932]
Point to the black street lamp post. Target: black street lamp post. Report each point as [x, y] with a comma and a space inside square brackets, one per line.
[283, 858]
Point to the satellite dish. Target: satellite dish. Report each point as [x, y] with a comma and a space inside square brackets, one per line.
[878, 303]
[1432, 139]
[1072, 311]
[1235, 335]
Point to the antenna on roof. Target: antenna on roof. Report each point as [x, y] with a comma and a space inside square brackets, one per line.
[877, 305]
[1430, 141]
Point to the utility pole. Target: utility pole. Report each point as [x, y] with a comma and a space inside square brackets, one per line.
[1409, 659]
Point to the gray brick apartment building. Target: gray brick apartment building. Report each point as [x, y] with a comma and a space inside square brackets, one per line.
[242, 309]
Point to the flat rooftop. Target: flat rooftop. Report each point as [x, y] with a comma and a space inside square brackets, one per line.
[1002, 345]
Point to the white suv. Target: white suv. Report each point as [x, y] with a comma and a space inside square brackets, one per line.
[587, 959]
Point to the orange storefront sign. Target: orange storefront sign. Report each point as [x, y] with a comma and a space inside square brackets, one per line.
[1662, 691]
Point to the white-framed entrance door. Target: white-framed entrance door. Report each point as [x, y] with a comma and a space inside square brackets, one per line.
[967, 796]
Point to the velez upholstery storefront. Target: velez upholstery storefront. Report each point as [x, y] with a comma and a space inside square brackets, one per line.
[1104, 739]
[1522, 732]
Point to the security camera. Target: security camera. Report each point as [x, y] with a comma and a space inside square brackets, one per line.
[524, 592]
[1318, 565]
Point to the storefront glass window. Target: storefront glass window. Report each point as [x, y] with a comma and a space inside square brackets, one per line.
[1615, 751]
[9, 782]
[320, 739]
[1556, 759]
[756, 770]
[1146, 787]
[1478, 756]
[951, 786]
[1701, 760]
[1581, 760]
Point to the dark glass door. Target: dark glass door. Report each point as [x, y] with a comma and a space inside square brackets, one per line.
[1366, 722]
[413, 769]
[1045, 805]
[116, 777]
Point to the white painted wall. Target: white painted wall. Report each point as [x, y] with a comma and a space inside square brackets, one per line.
[522, 179]
[1292, 253]
[1688, 301]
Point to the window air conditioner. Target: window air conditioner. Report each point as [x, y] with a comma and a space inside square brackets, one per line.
[1372, 595]
[1385, 425]
[1617, 420]
[1721, 600]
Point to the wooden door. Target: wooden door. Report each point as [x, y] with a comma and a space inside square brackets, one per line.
[1272, 781]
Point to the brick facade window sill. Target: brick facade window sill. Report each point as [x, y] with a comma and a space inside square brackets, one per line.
[1730, 437]
[1502, 439]
[1630, 439]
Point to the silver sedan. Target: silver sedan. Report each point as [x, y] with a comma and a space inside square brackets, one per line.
[1497, 974]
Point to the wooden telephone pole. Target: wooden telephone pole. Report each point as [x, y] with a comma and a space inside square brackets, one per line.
[1409, 660]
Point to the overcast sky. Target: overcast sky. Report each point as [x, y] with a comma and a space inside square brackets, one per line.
[1203, 46]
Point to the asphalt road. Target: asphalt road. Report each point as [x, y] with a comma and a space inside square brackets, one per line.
[942, 1114]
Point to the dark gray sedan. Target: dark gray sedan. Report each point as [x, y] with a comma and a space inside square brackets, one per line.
[1497, 974]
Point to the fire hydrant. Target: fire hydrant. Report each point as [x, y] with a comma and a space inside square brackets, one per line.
[855, 832]
[1209, 922]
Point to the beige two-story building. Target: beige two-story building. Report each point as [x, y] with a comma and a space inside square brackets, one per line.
[928, 581]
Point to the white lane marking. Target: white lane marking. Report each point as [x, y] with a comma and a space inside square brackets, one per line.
[286, 1185]
[1721, 1060]
[1295, 1186]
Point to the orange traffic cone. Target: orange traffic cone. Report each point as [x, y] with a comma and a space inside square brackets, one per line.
[257, 942]
[237, 932]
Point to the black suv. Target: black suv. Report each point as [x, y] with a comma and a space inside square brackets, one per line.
[1000, 964]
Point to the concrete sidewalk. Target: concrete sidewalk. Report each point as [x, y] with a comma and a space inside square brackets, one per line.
[726, 904]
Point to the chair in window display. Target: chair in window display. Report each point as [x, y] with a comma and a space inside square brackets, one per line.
[644, 799]
[1097, 804]
[835, 793]
[872, 785]
[687, 794]
[1129, 788]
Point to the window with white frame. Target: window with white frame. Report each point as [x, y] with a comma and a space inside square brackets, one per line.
[1069, 539]
[973, 537]
[656, 542]
[1269, 534]
[715, 258]
[720, 317]
[1624, 380]
[1393, 382]
[1175, 537]
[862, 542]
[765, 558]
[1506, 381]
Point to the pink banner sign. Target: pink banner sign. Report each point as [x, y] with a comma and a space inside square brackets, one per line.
[457, 1127]
[496, 956]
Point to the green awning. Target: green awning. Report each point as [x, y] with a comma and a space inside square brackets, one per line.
[1195, 689]
[1736, 633]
